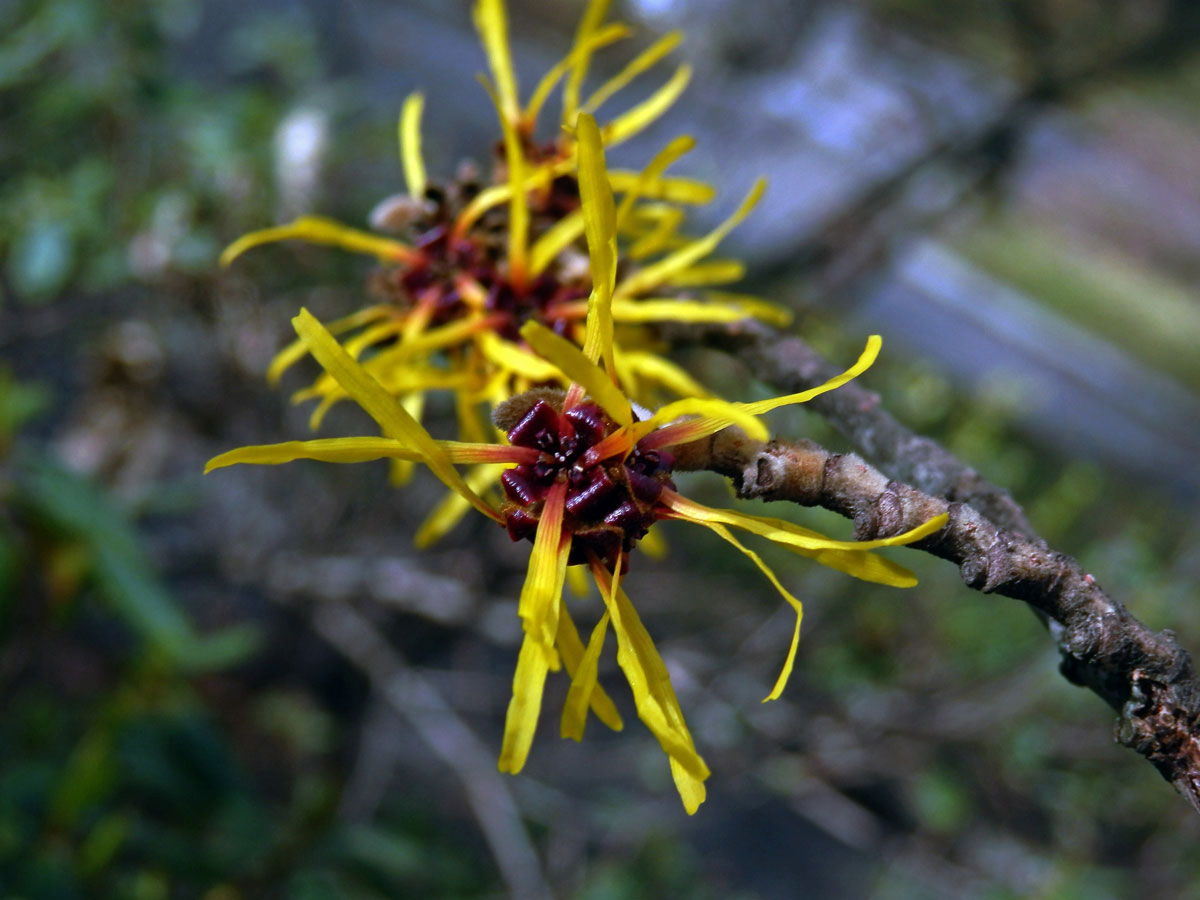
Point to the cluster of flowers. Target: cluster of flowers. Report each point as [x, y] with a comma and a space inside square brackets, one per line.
[513, 296]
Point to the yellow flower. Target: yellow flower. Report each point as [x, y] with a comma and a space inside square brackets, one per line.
[584, 479]
[482, 262]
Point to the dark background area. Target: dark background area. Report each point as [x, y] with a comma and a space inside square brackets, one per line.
[252, 685]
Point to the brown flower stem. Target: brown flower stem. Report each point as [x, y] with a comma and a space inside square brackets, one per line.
[1144, 675]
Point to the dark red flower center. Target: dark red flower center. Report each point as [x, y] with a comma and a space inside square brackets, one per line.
[610, 503]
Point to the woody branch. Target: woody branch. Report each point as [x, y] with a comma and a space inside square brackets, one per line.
[1144, 675]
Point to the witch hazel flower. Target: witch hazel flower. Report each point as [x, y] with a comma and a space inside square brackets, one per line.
[584, 477]
[472, 262]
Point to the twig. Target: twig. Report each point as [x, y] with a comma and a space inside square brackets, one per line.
[419, 702]
[1146, 676]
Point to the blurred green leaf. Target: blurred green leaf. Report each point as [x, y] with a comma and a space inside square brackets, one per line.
[122, 573]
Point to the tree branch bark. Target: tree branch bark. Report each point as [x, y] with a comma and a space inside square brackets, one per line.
[1144, 675]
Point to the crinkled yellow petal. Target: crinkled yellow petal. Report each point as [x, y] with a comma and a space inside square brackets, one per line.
[667, 155]
[662, 236]
[635, 67]
[711, 271]
[653, 695]
[600, 225]
[318, 230]
[782, 532]
[554, 240]
[381, 406]
[542, 592]
[401, 470]
[512, 358]
[536, 178]
[672, 189]
[639, 117]
[571, 649]
[571, 361]
[520, 722]
[541, 600]
[606, 35]
[655, 368]
[583, 683]
[491, 22]
[337, 450]
[790, 660]
[714, 415]
[675, 311]
[518, 204]
[581, 55]
[763, 310]
[577, 583]
[865, 360]
[660, 272]
[410, 143]
[296, 350]
[452, 507]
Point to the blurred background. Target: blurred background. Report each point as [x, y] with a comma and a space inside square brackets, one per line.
[251, 685]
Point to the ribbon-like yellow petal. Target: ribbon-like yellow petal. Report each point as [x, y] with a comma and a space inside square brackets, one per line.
[571, 361]
[581, 56]
[554, 240]
[600, 225]
[607, 35]
[711, 271]
[583, 683]
[653, 695]
[633, 69]
[670, 188]
[865, 360]
[790, 661]
[660, 272]
[571, 649]
[410, 144]
[541, 600]
[667, 155]
[629, 123]
[714, 415]
[452, 507]
[338, 450]
[491, 22]
[297, 349]
[517, 360]
[318, 230]
[381, 406]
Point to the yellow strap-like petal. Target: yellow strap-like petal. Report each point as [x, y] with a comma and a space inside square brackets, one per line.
[517, 360]
[711, 271]
[662, 236]
[652, 367]
[653, 695]
[714, 415]
[583, 683]
[536, 178]
[790, 660]
[786, 533]
[337, 450]
[541, 600]
[571, 649]
[675, 149]
[763, 310]
[491, 22]
[865, 360]
[520, 722]
[629, 123]
[635, 67]
[654, 310]
[297, 349]
[554, 240]
[318, 230]
[381, 406]
[410, 144]
[581, 55]
[571, 361]
[451, 509]
[606, 35]
[400, 471]
[672, 189]
[599, 223]
[660, 272]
